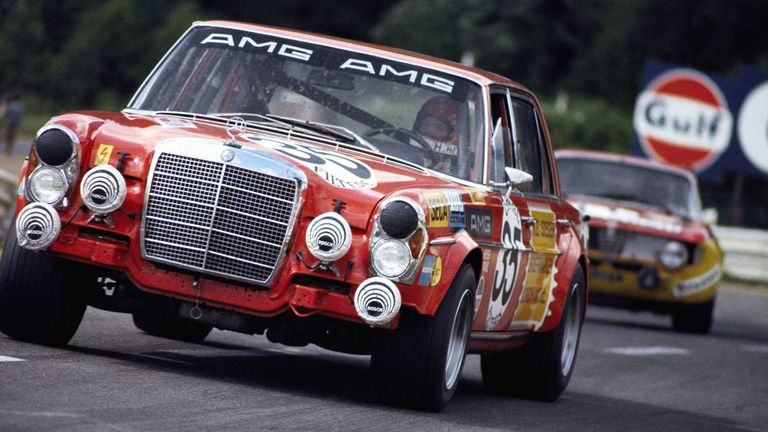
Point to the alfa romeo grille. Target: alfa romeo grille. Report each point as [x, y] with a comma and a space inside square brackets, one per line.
[217, 218]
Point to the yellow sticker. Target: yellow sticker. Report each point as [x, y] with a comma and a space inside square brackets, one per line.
[103, 154]
[439, 212]
[478, 197]
[537, 287]
[437, 271]
[543, 231]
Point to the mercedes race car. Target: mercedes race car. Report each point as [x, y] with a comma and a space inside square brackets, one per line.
[650, 247]
[315, 190]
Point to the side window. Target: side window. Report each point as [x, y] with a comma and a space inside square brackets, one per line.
[547, 182]
[501, 138]
[528, 146]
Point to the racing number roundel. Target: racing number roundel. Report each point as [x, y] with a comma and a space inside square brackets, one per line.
[683, 119]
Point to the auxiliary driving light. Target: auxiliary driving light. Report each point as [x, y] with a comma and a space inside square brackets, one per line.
[377, 301]
[329, 237]
[103, 189]
[37, 226]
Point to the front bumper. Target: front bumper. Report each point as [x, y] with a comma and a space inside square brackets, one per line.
[647, 281]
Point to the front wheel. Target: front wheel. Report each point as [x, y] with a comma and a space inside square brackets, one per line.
[41, 297]
[419, 364]
[542, 368]
[695, 318]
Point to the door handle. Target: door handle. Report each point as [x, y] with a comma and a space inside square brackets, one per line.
[528, 220]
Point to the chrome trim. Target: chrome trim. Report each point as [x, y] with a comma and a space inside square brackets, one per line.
[65, 168]
[442, 241]
[209, 150]
[378, 234]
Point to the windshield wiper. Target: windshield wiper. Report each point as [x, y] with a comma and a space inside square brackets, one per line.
[335, 131]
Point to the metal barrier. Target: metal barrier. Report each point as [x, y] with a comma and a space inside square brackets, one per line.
[7, 202]
[746, 252]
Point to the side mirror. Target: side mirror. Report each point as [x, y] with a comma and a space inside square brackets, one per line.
[519, 179]
[516, 179]
[709, 216]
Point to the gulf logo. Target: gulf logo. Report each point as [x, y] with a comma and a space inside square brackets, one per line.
[683, 119]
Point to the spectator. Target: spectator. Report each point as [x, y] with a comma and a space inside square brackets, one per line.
[12, 112]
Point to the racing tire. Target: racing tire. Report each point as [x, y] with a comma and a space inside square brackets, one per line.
[694, 318]
[542, 368]
[42, 299]
[164, 322]
[419, 364]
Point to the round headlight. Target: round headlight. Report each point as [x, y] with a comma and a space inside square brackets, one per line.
[328, 237]
[48, 185]
[399, 219]
[674, 255]
[55, 146]
[391, 258]
[103, 189]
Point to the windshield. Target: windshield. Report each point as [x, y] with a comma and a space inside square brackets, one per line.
[624, 182]
[421, 115]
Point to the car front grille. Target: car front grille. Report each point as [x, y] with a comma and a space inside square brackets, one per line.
[217, 218]
[628, 244]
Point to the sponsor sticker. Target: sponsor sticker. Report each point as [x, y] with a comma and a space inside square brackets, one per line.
[698, 283]
[437, 271]
[103, 154]
[543, 230]
[538, 285]
[425, 278]
[506, 266]
[439, 211]
[479, 222]
[456, 207]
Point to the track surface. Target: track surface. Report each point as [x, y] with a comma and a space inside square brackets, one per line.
[632, 374]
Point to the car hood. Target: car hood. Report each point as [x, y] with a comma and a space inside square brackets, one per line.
[358, 179]
[640, 218]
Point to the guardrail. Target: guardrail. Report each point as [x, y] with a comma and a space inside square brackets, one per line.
[7, 202]
[746, 253]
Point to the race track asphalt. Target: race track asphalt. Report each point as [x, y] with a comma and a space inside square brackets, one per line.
[632, 374]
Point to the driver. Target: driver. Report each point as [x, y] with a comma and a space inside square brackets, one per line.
[436, 122]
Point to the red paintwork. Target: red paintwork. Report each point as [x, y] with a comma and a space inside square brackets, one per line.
[138, 134]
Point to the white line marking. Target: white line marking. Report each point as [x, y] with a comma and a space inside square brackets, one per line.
[10, 359]
[648, 351]
[759, 349]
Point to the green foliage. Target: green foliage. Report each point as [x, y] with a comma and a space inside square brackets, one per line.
[588, 123]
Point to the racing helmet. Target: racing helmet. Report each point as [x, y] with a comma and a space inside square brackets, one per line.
[436, 121]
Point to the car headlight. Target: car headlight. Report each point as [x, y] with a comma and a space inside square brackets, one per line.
[103, 189]
[398, 239]
[391, 258]
[674, 255]
[399, 219]
[55, 145]
[48, 185]
[329, 237]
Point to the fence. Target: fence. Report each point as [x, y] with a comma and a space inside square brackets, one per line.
[7, 201]
[746, 253]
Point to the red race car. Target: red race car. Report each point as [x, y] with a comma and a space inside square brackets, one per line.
[316, 190]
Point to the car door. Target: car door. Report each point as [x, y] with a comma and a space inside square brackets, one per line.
[497, 226]
[540, 225]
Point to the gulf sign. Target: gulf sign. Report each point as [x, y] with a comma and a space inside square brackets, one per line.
[682, 118]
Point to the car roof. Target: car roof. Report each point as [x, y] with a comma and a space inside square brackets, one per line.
[625, 159]
[478, 75]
